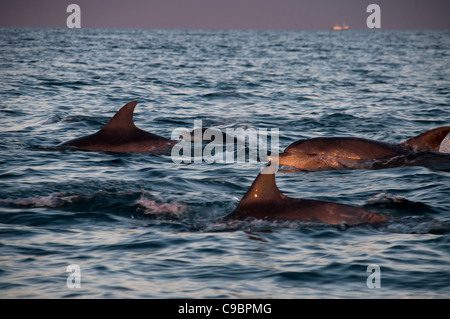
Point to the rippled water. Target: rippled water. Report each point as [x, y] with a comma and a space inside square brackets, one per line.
[141, 226]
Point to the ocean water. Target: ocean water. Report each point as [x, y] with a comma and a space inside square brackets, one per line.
[142, 226]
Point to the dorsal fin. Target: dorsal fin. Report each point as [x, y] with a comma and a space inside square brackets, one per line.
[428, 141]
[123, 119]
[264, 188]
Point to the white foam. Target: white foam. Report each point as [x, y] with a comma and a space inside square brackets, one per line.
[385, 198]
[154, 208]
[52, 200]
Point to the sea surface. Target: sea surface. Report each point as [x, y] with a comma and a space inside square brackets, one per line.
[143, 226]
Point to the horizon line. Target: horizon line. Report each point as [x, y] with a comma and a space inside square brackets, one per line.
[222, 29]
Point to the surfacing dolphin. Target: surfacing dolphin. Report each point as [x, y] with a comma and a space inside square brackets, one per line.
[121, 135]
[327, 153]
[264, 201]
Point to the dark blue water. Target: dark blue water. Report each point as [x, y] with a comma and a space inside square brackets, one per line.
[141, 226]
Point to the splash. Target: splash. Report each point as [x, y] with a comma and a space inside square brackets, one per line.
[152, 207]
[385, 197]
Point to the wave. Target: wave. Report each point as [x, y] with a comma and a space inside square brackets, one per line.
[404, 216]
[51, 201]
[160, 209]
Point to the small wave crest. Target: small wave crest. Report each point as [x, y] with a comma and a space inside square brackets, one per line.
[155, 208]
[398, 203]
[429, 159]
[418, 225]
[407, 217]
[51, 201]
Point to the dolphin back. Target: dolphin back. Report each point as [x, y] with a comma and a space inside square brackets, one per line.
[120, 134]
[428, 141]
[348, 147]
[264, 201]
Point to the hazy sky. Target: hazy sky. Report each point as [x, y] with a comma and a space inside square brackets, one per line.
[228, 14]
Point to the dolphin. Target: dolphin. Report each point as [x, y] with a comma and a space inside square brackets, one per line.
[326, 153]
[120, 134]
[265, 201]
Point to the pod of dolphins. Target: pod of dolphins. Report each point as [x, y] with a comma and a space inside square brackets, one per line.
[263, 200]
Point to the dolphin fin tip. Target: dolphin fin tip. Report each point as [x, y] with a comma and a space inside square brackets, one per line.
[123, 119]
[131, 104]
[264, 187]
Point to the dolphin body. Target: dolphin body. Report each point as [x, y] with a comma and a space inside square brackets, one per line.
[122, 135]
[326, 153]
[264, 201]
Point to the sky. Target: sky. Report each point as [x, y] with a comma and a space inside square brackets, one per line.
[228, 14]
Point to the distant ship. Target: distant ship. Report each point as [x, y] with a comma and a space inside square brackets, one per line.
[338, 27]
